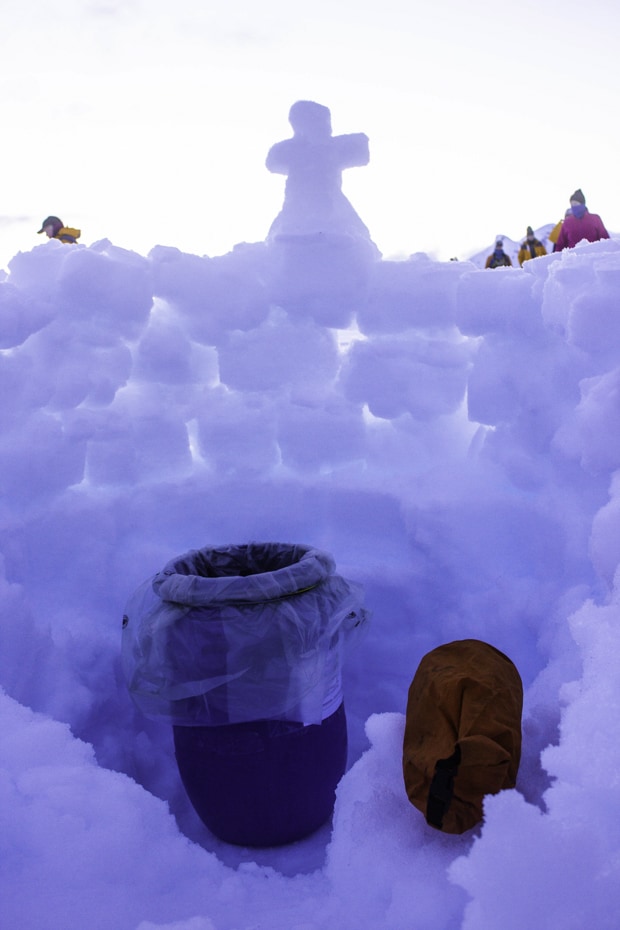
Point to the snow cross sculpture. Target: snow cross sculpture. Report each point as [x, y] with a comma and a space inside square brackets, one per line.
[313, 161]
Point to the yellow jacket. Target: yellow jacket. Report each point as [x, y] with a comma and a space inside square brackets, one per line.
[525, 253]
[555, 232]
[68, 234]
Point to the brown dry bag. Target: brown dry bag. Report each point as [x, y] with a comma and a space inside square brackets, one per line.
[462, 732]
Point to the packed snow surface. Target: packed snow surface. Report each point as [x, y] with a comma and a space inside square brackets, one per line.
[448, 434]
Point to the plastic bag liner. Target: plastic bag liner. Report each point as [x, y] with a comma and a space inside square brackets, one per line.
[240, 633]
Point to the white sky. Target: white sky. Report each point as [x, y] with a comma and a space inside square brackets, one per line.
[148, 122]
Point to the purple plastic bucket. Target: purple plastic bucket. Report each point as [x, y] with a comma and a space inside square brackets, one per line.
[266, 782]
[240, 649]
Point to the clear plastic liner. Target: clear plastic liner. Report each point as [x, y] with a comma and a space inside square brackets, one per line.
[241, 633]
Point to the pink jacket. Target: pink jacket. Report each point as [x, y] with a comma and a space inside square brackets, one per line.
[589, 227]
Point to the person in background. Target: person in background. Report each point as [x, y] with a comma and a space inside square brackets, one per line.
[580, 224]
[498, 258]
[531, 248]
[555, 232]
[54, 228]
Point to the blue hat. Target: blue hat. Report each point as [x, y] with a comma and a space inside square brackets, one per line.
[51, 221]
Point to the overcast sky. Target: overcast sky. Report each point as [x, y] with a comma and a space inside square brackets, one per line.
[148, 122]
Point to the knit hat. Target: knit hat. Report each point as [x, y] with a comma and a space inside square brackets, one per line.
[578, 196]
[51, 221]
[499, 244]
[530, 231]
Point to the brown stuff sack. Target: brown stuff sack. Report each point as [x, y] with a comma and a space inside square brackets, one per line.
[462, 732]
